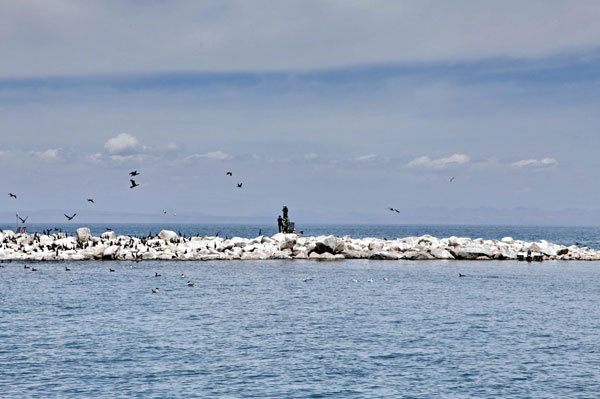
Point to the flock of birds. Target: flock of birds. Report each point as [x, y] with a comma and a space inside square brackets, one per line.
[133, 184]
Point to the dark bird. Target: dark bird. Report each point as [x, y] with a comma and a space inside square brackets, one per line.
[111, 270]
[240, 185]
[229, 174]
[301, 232]
[164, 212]
[91, 200]
[33, 269]
[70, 217]
[451, 179]
[134, 173]
[259, 232]
[67, 269]
[394, 210]
[133, 183]
[461, 275]
[23, 220]
[156, 274]
[12, 195]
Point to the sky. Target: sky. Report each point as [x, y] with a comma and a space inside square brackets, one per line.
[338, 109]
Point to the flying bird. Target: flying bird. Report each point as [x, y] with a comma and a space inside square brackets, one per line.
[229, 174]
[12, 195]
[451, 179]
[70, 217]
[21, 219]
[394, 210]
[133, 183]
[240, 185]
[134, 173]
[164, 211]
[91, 200]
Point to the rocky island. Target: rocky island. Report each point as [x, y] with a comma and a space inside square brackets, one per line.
[167, 245]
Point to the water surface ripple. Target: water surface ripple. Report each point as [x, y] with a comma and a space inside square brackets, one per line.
[257, 329]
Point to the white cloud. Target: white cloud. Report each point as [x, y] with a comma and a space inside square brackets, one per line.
[94, 158]
[215, 155]
[312, 155]
[535, 163]
[48, 155]
[365, 158]
[123, 144]
[442, 163]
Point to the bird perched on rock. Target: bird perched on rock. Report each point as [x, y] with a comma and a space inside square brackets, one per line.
[133, 183]
[70, 217]
[11, 195]
[134, 173]
[91, 200]
[229, 174]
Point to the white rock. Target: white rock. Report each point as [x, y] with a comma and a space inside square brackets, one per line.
[168, 235]
[83, 234]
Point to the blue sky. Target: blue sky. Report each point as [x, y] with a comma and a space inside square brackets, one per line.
[338, 109]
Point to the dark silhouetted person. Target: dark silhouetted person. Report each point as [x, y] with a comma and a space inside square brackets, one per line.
[280, 223]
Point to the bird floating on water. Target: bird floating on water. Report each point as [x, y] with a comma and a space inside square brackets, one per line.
[67, 269]
[155, 290]
[133, 183]
[190, 284]
[182, 275]
[157, 275]
[70, 217]
[307, 279]
[370, 280]
[111, 270]
[462, 275]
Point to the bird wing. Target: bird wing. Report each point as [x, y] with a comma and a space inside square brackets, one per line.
[132, 182]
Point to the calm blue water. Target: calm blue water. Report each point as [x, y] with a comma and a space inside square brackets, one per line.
[585, 236]
[257, 330]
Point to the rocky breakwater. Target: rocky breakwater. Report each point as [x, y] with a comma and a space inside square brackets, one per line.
[167, 245]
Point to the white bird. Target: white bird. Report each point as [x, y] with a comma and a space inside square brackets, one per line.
[307, 279]
[385, 279]
[370, 280]
[354, 280]
[190, 284]
[182, 275]
[155, 290]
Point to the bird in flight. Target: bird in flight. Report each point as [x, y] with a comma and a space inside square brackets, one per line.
[21, 219]
[133, 183]
[164, 211]
[134, 173]
[240, 185]
[229, 174]
[394, 210]
[12, 195]
[91, 200]
[451, 179]
[70, 217]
